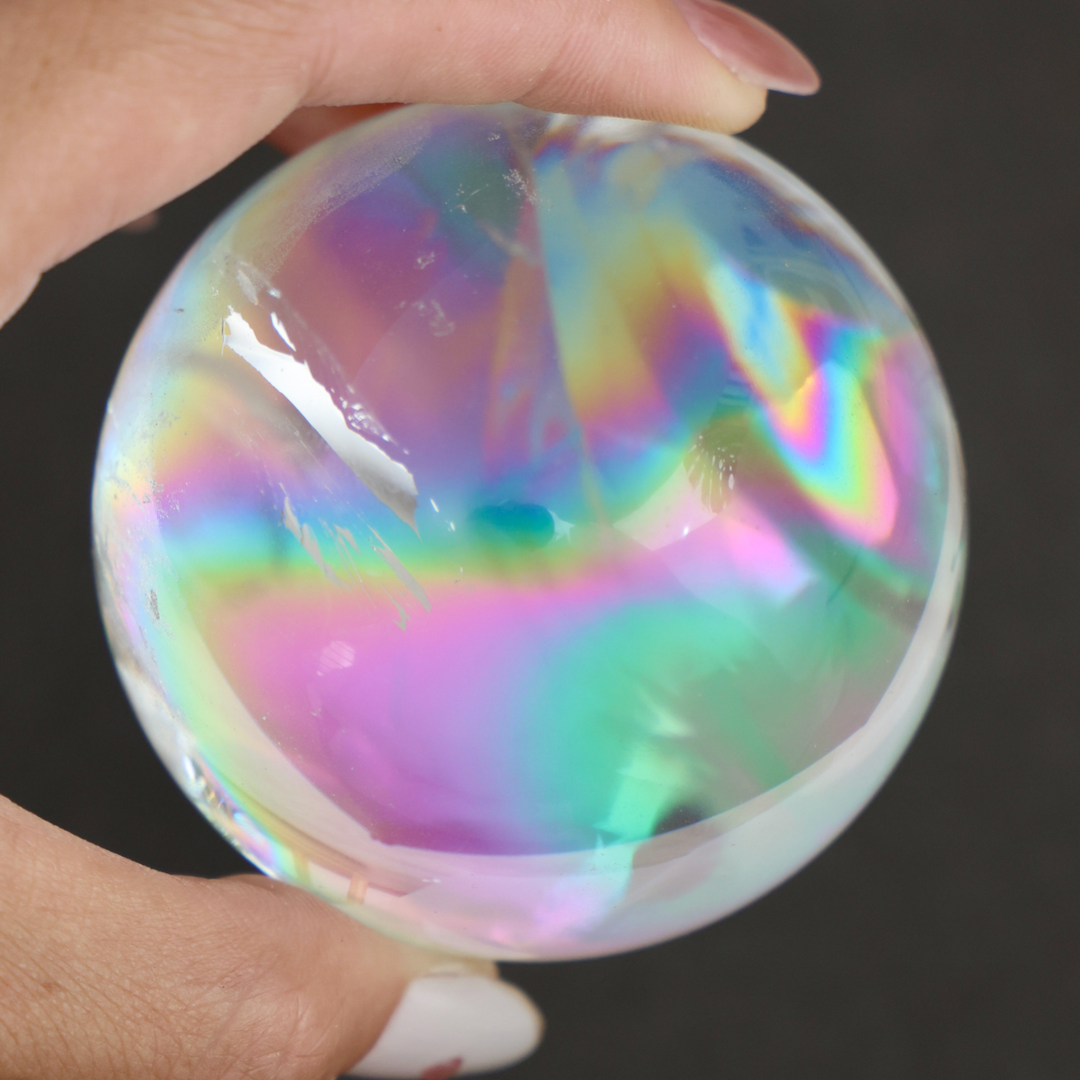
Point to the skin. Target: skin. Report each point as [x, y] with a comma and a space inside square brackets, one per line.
[109, 108]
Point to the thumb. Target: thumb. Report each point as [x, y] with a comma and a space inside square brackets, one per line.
[111, 970]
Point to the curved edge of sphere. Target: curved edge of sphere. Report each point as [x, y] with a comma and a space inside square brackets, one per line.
[557, 904]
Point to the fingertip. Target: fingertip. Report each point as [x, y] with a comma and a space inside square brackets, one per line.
[751, 49]
[629, 58]
[742, 108]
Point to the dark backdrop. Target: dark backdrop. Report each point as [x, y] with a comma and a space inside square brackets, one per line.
[938, 937]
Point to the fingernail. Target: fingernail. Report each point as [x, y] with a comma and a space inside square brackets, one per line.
[450, 1025]
[749, 48]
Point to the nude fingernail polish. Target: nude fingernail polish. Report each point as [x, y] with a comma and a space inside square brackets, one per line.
[449, 1025]
[749, 48]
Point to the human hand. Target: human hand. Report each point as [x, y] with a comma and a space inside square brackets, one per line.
[109, 108]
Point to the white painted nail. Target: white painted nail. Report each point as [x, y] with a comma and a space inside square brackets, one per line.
[449, 1025]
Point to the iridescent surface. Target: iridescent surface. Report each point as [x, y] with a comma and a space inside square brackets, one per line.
[539, 536]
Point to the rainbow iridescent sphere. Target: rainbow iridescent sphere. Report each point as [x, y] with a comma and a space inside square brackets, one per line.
[537, 535]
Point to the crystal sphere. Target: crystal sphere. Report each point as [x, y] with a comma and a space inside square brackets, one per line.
[537, 535]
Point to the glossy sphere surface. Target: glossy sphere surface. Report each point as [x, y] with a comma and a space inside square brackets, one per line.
[539, 536]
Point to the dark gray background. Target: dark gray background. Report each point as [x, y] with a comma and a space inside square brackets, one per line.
[939, 937]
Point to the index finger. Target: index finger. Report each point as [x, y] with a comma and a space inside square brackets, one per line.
[112, 108]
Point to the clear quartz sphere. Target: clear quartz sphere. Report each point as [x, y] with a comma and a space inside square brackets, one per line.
[537, 535]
